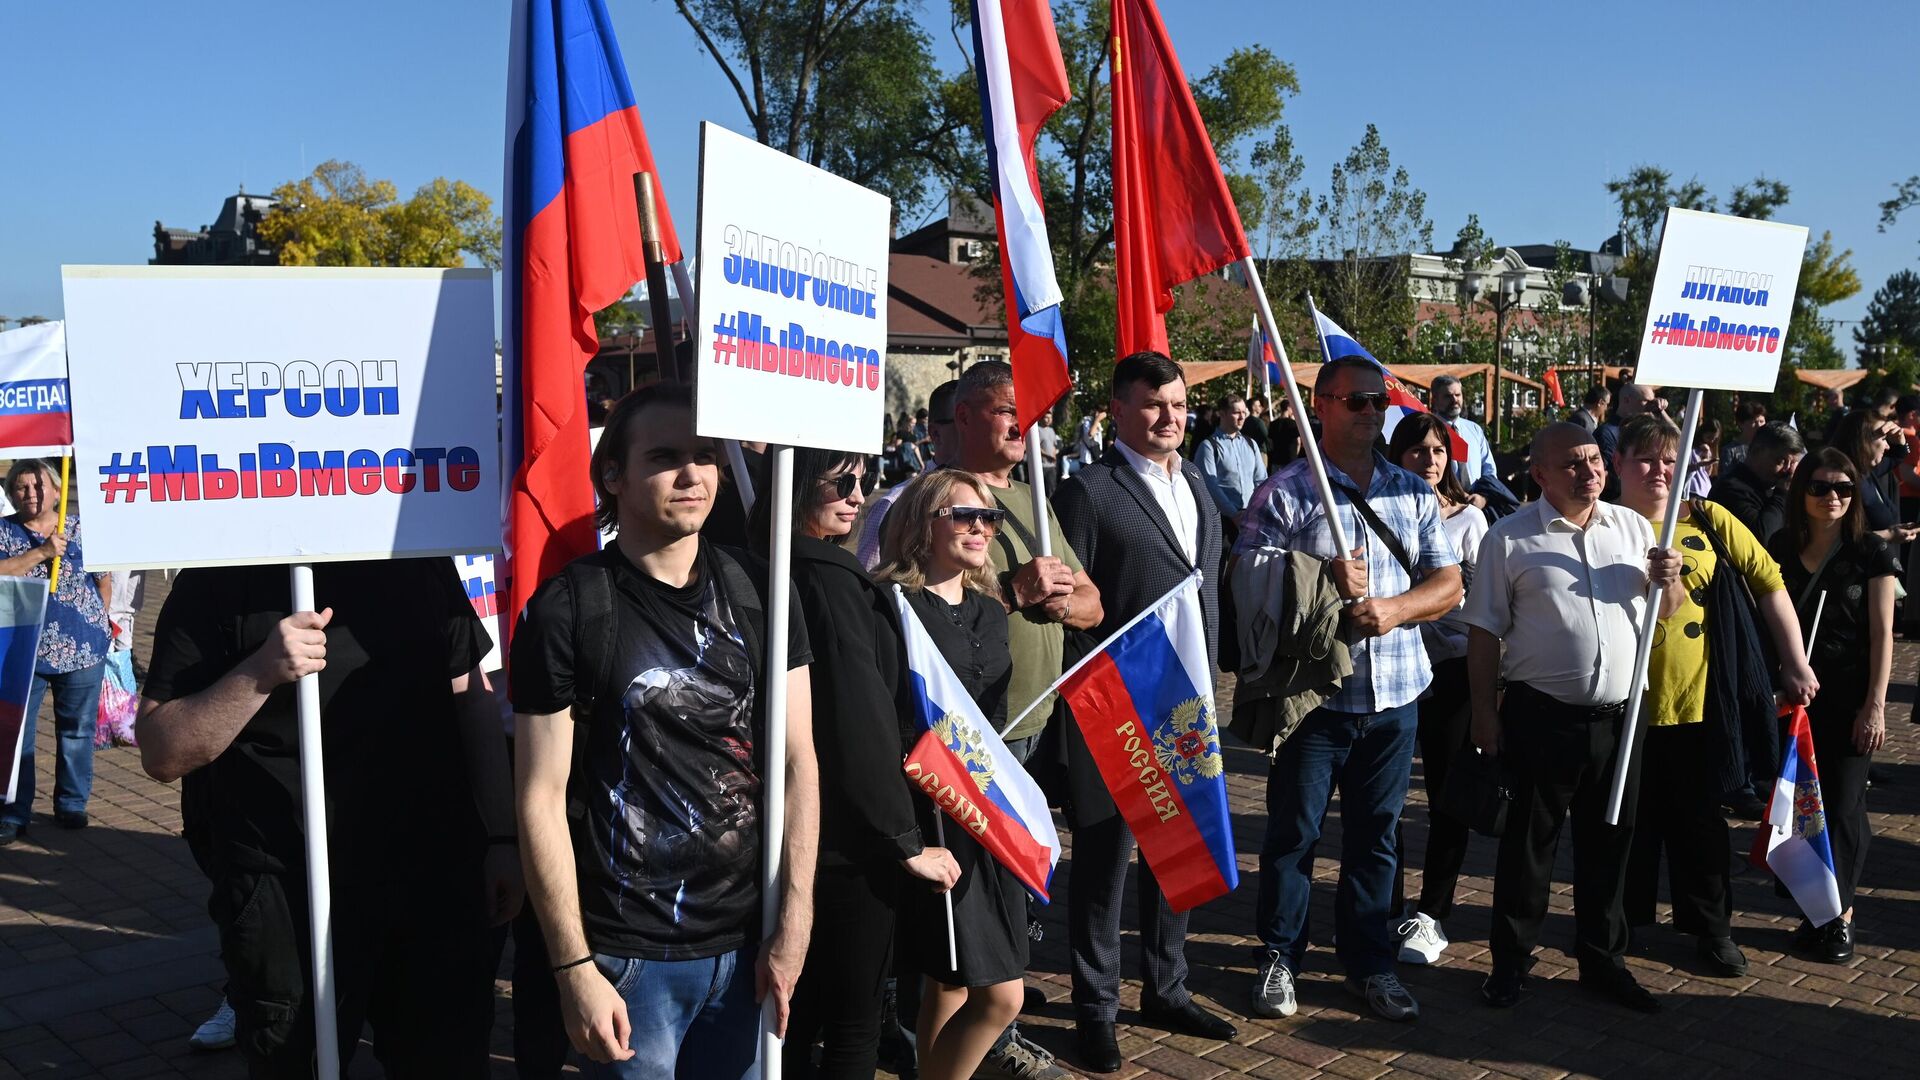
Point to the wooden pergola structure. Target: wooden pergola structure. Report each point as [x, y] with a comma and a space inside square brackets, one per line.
[1420, 375]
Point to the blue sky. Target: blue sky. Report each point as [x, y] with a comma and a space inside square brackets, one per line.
[116, 113]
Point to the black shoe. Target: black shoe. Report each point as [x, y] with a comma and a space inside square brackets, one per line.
[11, 831]
[1188, 1019]
[1836, 942]
[1747, 806]
[1502, 988]
[70, 819]
[1099, 1050]
[1618, 985]
[1806, 936]
[1722, 957]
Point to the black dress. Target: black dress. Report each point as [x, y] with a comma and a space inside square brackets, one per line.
[1841, 659]
[989, 903]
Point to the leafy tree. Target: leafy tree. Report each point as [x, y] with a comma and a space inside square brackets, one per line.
[1371, 218]
[1893, 315]
[337, 217]
[1906, 195]
[848, 85]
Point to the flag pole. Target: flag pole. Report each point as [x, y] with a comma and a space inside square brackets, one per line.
[1102, 647]
[60, 529]
[1650, 620]
[1307, 441]
[690, 314]
[313, 805]
[1035, 463]
[1813, 632]
[656, 257]
[953, 943]
[774, 783]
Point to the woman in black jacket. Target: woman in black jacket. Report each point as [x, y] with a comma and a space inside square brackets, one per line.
[869, 839]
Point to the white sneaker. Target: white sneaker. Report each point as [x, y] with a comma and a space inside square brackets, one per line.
[217, 1032]
[1421, 940]
[1388, 999]
[1273, 994]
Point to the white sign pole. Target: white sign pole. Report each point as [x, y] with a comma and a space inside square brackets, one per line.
[1037, 479]
[313, 801]
[774, 783]
[1650, 620]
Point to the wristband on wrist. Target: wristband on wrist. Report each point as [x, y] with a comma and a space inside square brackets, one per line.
[587, 959]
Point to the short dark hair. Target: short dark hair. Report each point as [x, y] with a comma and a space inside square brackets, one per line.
[983, 377]
[1331, 370]
[1776, 440]
[616, 439]
[1907, 403]
[1234, 397]
[1596, 394]
[1750, 411]
[939, 408]
[1153, 369]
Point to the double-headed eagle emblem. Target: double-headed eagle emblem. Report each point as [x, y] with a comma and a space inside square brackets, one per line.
[1188, 744]
[967, 745]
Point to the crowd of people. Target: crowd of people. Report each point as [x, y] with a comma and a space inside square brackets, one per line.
[615, 835]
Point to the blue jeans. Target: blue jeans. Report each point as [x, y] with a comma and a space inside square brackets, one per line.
[1370, 758]
[76, 708]
[692, 1019]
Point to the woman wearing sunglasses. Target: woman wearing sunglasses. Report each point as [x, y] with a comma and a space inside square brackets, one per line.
[868, 832]
[934, 545]
[1863, 437]
[1826, 550]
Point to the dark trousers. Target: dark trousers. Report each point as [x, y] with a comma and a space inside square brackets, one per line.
[410, 958]
[1562, 759]
[540, 1045]
[843, 986]
[1101, 854]
[1446, 717]
[1679, 811]
[1843, 782]
[1367, 757]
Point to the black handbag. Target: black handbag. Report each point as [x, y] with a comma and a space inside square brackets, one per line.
[1740, 708]
[1478, 792]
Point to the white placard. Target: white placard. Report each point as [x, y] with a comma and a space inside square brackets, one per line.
[282, 415]
[1722, 295]
[793, 300]
[476, 576]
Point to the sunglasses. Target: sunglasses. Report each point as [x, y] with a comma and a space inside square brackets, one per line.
[1820, 489]
[1361, 402]
[843, 484]
[965, 517]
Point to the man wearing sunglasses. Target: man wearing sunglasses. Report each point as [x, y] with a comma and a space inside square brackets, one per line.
[1401, 572]
[1142, 519]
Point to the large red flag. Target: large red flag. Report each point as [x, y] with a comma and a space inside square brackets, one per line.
[1173, 218]
[573, 246]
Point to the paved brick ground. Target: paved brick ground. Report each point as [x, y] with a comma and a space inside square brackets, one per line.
[106, 964]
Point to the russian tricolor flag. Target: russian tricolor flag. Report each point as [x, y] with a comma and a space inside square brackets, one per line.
[1262, 368]
[1336, 343]
[23, 610]
[36, 410]
[1793, 841]
[968, 772]
[573, 246]
[1023, 80]
[1144, 702]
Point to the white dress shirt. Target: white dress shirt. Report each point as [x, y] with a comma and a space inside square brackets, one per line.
[1174, 495]
[1566, 601]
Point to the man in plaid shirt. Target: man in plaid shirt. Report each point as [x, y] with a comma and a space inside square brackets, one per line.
[1362, 738]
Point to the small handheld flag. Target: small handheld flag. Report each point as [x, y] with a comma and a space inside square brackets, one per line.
[1144, 703]
[968, 772]
[1336, 344]
[36, 411]
[1793, 841]
[23, 610]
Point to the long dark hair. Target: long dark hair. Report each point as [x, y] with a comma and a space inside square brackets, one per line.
[1852, 524]
[1855, 434]
[1411, 432]
[810, 466]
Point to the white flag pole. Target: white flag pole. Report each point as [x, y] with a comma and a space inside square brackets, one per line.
[1813, 632]
[774, 783]
[1302, 418]
[1191, 579]
[1650, 620]
[313, 804]
[1041, 534]
[953, 943]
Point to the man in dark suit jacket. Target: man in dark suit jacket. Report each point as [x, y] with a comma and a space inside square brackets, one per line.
[1141, 520]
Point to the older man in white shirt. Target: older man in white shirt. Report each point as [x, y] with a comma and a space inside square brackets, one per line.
[1563, 583]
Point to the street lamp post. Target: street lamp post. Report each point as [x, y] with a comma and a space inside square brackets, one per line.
[1513, 289]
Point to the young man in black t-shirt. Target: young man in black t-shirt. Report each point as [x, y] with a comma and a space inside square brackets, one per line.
[637, 690]
[419, 802]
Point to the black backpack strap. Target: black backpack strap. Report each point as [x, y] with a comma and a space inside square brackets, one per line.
[594, 633]
[745, 580]
[1380, 529]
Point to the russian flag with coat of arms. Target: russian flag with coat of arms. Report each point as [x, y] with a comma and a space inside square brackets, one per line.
[1793, 841]
[1144, 702]
[968, 772]
[1336, 344]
